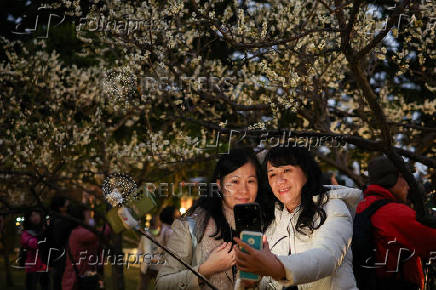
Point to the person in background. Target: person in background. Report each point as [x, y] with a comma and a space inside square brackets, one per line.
[58, 231]
[167, 217]
[396, 230]
[329, 178]
[148, 255]
[36, 269]
[82, 250]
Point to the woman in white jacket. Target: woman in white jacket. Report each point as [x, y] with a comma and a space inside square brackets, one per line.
[309, 243]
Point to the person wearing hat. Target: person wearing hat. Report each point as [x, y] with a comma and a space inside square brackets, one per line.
[402, 243]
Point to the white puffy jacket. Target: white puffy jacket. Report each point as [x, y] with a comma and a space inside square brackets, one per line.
[322, 260]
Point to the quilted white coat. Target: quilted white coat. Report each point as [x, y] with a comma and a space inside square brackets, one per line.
[322, 260]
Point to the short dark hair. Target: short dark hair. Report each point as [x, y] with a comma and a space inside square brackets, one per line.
[383, 172]
[326, 178]
[167, 215]
[57, 202]
[77, 210]
[27, 224]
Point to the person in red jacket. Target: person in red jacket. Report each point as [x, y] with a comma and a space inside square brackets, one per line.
[402, 243]
[36, 268]
[83, 249]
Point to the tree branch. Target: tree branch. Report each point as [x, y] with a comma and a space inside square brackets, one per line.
[351, 139]
[382, 34]
[235, 106]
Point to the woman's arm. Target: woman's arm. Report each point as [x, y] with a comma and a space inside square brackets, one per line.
[173, 275]
[330, 245]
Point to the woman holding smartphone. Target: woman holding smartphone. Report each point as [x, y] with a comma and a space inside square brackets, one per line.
[203, 237]
[309, 242]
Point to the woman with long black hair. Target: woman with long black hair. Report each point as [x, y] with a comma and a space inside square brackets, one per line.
[308, 243]
[203, 237]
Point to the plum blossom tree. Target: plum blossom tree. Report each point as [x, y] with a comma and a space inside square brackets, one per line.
[349, 78]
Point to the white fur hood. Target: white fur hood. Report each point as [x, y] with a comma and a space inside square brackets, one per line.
[351, 196]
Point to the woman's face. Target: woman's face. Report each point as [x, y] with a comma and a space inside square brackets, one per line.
[35, 218]
[86, 216]
[239, 186]
[286, 183]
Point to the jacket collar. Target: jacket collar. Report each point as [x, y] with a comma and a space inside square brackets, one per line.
[283, 218]
[378, 190]
[284, 215]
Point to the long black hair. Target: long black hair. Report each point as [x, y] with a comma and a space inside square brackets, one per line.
[299, 156]
[212, 202]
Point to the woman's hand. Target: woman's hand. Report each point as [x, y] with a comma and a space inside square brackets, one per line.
[220, 259]
[262, 262]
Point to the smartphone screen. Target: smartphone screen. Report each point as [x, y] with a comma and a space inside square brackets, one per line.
[248, 217]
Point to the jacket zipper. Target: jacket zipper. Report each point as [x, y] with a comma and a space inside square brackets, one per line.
[293, 236]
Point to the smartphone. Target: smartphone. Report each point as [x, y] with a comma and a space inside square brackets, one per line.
[248, 217]
[254, 239]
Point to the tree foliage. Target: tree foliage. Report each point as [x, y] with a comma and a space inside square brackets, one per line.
[145, 87]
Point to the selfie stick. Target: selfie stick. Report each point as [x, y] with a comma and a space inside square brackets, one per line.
[129, 222]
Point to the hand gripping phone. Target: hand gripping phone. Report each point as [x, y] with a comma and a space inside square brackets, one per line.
[254, 240]
[248, 217]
